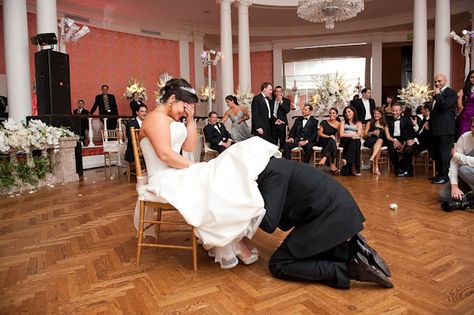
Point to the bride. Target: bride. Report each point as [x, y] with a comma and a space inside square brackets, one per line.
[225, 207]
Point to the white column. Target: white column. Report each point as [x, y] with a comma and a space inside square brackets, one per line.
[46, 17]
[376, 71]
[420, 42]
[227, 77]
[442, 55]
[219, 106]
[245, 82]
[198, 66]
[184, 56]
[17, 62]
[278, 67]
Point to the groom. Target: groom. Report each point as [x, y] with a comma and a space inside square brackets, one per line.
[325, 245]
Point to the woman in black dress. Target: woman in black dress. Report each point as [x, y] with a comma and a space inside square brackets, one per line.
[374, 135]
[327, 140]
[350, 133]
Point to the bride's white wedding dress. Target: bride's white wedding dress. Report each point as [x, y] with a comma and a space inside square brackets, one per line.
[220, 198]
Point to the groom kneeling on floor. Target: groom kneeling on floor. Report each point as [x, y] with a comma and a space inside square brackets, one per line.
[324, 244]
[216, 134]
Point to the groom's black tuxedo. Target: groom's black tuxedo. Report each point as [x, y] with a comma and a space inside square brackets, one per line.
[215, 135]
[282, 108]
[262, 118]
[323, 216]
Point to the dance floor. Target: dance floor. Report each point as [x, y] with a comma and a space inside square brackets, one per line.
[71, 249]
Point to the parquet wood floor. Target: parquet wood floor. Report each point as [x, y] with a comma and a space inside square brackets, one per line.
[71, 250]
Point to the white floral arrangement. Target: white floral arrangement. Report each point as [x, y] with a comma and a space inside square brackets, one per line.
[244, 97]
[135, 86]
[18, 136]
[332, 92]
[204, 93]
[164, 77]
[414, 95]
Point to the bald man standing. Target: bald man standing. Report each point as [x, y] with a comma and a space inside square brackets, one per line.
[443, 126]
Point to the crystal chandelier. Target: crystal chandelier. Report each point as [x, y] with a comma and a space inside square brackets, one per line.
[329, 11]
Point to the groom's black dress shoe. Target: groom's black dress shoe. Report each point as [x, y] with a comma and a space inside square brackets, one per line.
[371, 254]
[359, 269]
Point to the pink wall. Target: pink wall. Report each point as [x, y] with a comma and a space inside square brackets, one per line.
[261, 67]
[109, 57]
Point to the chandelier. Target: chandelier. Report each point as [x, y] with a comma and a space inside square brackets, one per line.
[329, 11]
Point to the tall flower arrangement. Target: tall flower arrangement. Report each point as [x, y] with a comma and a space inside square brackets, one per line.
[414, 95]
[244, 97]
[135, 86]
[332, 92]
[204, 93]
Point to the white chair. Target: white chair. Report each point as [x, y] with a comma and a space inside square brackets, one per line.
[423, 158]
[296, 154]
[112, 143]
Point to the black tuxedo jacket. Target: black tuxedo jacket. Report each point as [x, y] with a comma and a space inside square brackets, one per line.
[309, 132]
[443, 114]
[360, 109]
[406, 129]
[213, 136]
[260, 117]
[322, 212]
[83, 112]
[134, 106]
[423, 135]
[283, 109]
[99, 102]
[129, 152]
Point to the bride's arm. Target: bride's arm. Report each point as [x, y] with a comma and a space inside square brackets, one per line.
[157, 129]
[191, 138]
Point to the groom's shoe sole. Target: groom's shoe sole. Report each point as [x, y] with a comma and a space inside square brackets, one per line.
[359, 269]
[371, 254]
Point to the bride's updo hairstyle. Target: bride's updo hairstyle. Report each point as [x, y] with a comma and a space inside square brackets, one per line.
[181, 89]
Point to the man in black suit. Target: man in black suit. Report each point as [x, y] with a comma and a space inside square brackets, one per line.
[443, 123]
[216, 134]
[135, 103]
[365, 106]
[401, 142]
[324, 244]
[80, 110]
[136, 123]
[107, 106]
[262, 109]
[423, 130]
[302, 134]
[281, 107]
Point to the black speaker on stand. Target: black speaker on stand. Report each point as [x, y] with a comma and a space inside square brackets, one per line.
[53, 89]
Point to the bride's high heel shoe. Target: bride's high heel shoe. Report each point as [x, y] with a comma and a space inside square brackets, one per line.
[253, 258]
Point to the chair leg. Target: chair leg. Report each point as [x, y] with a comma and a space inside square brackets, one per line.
[427, 161]
[128, 172]
[194, 245]
[158, 226]
[434, 168]
[140, 231]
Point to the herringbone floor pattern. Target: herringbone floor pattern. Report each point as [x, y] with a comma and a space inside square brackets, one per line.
[71, 250]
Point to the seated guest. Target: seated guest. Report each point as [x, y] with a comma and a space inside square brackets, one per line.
[216, 134]
[136, 123]
[327, 140]
[458, 194]
[374, 135]
[400, 142]
[422, 129]
[80, 110]
[387, 108]
[302, 134]
[350, 132]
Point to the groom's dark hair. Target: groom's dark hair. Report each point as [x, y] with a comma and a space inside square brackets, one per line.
[265, 85]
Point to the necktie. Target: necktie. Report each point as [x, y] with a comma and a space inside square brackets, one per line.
[106, 102]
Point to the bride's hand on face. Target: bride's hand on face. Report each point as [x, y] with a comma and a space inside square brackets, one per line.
[189, 110]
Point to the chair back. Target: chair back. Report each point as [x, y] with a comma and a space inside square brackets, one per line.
[136, 151]
[207, 146]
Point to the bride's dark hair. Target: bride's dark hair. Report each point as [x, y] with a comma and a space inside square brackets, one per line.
[181, 89]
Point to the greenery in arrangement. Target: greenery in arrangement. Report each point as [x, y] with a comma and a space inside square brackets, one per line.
[17, 142]
[331, 92]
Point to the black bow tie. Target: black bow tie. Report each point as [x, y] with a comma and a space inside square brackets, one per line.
[305, 118]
